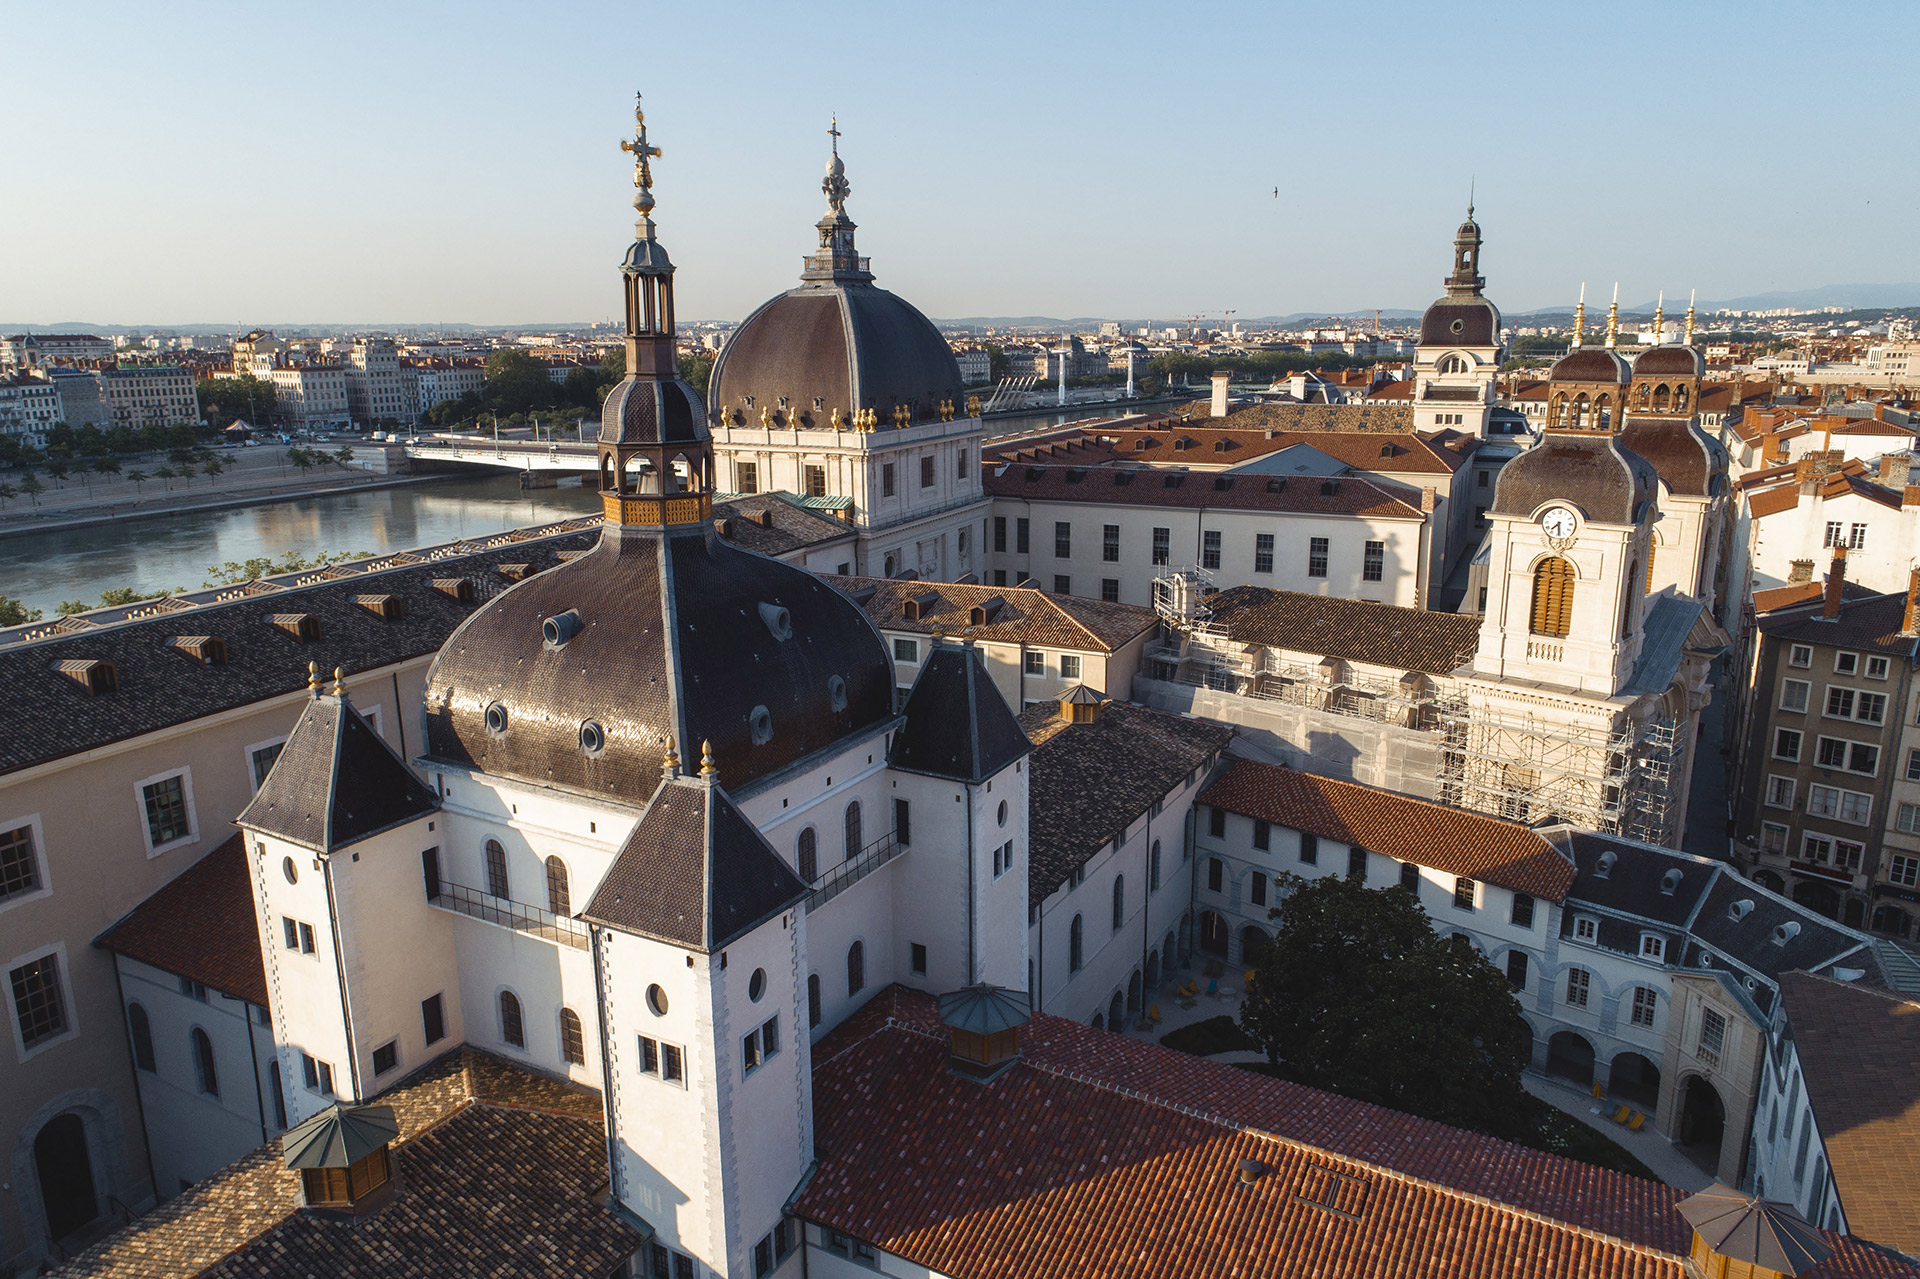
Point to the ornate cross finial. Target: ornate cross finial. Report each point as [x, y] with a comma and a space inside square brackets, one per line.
[643, 154]
[833, 131]
[835, 185]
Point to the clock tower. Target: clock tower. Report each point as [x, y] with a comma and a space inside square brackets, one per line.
[1572, 525]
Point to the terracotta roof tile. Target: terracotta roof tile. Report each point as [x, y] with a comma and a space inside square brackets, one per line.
[1448, 840]
[201, 925]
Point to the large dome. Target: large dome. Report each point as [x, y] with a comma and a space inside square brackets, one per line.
[1590, 364]
[1670, 361]
[1461, 321]
[676, 633]
[1608, 483]
[839, 344]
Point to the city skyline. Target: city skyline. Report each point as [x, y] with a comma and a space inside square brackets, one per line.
[1002, 162]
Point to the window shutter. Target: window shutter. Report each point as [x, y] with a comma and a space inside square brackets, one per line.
[1552, 598]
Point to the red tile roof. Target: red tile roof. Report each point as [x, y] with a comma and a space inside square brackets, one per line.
[1098, 1155]
[201, 925]
[1445, 839]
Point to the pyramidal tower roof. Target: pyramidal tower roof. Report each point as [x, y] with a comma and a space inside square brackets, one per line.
[957, 724]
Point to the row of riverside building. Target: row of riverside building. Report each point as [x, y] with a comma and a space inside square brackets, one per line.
[720, 886]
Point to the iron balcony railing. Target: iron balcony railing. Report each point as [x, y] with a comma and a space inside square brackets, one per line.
[854, 869]
[522, 918]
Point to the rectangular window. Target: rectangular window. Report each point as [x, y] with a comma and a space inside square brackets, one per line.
[1410, 877]
[1262, 834]
[1069, 666]
[1577, 983]
[902, 822]
[649, 1056]
[306, 939]
[1210, 549]
[1162, 546]
[1022, 528]
[1110, 543]
[1035, 663]
[1903, 870]
[326, 1079]
[926, 471]
[291, 931]
[19, 867]
[1062, 540]
[166, 807]
[1463, 893]
[673, 1067]
[386, 1057]
[1713, 1036]
[1517, 969]
[1839, 702]
[1217, 822]
[1062, 584]
[1309, 848]
[1654, 948]
[433, 1019]
[960, 465]
[1871, 708]
[1913, 765]
[1816, 848]
[1586, 928]
[1800, 655]
[1216, 873]
[310, 1071]
[1822, 801]
[1357, 864]
[906, 650]
[1257, 890]
[1263, 552]
[750, 1050]
[1000, 533]
[1316, 557]
[918, 956]
[1793, 695]
[1832, 538]
[262, 761]
[1375, 564]
[37, 1003]
[1773, 837]
[1521, 915]
[1110, 589]
[1856, 537]
[1780, 792]
[815, 478]
[1846, 663]
[1876, 668]
[1832, 753]
[1856, 808]
[1908, 819]
[747, 476]
[1786, 743]
[1644, 1001]
[886, 480]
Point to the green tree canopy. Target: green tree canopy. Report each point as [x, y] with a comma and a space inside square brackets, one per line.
[14, 613]
[1358, 995]
[224, 399]
[697, 368]
[516, 382]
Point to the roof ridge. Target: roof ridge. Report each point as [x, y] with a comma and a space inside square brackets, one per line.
[1397, 796]
[1890, 996]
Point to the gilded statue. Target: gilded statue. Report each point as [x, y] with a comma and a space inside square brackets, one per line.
[973, 406]
[766, 418]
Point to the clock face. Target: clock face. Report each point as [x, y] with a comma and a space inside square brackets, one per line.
[1558, 522]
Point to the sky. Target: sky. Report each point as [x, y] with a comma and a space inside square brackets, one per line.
[410, 162]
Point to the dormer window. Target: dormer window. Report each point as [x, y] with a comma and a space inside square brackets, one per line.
[304, 627]
[1586, 928]
[458, 589]
[92, 674]
[387, 608]
[201, 650]
[342, 1154]
[1653, 947]
[983, 1024]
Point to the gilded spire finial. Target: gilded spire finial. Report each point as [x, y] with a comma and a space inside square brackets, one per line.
[707, 768]
[339, 680]
[643, 155]
[313, 678]
[1689, 336]
[1580, 318]
[1471, 183]
[671, 764]
[1613, 316]
[1660, 319]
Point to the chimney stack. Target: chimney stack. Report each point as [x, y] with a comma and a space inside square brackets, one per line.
[1910, 621]
[1220, 379]
[1836, 583]
[1895, 470]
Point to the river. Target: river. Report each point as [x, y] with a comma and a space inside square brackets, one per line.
[177, 552]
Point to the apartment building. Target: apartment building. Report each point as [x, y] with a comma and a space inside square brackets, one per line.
[35, 350]
[1832, 692]
[311, 396]
[379, 387]
[29, 406]
[1793, 516]
[130, 395]
[443, 380]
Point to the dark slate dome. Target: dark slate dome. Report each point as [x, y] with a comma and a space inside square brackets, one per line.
[1609, 484]
[1670, 361]
[1461, 321]
[1686, 458]
[844, 345]
[647, 411]
[1590, 364]
[576, 678]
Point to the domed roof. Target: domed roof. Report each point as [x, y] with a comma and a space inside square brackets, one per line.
[1461, 321]
[1610, 484]
[648, 411]
[1686, 458]
[1670, 361]
[1590, 364]
[577, 677]
[843, 343]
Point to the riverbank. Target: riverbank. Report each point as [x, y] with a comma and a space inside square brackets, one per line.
[117, 514]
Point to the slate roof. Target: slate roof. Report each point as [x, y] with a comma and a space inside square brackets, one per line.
[1671, 619]
[1136, 1171]
[49, 716]
[1449, 840]
[335, 782]
[1408, 639]
[695, 872]
[1368, 415]
[1199, 490]
[1857, 1051]
[1872, 623]
[1088, 782]
[1203, 446]
[956, 723]
[496, 1168]
[201, 925]
[771, 524]
[1025, 616]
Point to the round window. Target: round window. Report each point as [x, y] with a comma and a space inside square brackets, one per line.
[757, 984]
[760, 726]
[1458, 326]
[496, 719]
[593, 739]
[836, 693]
[1003, 812]
[288, 869]
[657, 1000]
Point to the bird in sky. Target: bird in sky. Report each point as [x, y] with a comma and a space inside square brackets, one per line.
[1276, 193]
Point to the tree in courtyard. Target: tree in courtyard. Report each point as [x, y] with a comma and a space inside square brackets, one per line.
[1358, 995]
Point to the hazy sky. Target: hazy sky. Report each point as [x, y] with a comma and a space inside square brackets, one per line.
[413, 162]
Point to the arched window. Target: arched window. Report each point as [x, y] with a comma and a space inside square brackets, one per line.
[1626, 598]
[142, 1037]
[856, 968]
[1119, 901]
[1646, 393]
[573, 1043]
[496, 868]
[1552, 598]
[1557, 416]
[1661, 397]
[204, 1073]
[1075, 946]
[1680, 398]
[813, 1000]
[559, 901]
[1153, 868]
[1603, 412]
[853, 830]
[512, 1029]
[809, 857]
[1580, 407]
[1453, 364]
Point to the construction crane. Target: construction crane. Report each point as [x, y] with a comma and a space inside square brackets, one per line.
[1225, 327]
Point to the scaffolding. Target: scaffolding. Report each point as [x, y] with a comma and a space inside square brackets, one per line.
[1614, 775]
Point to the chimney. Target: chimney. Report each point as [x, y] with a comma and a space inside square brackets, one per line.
[1800, 572]
[1836, 583]
[1910, 621]
[1895, 469]
[1220, 378]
